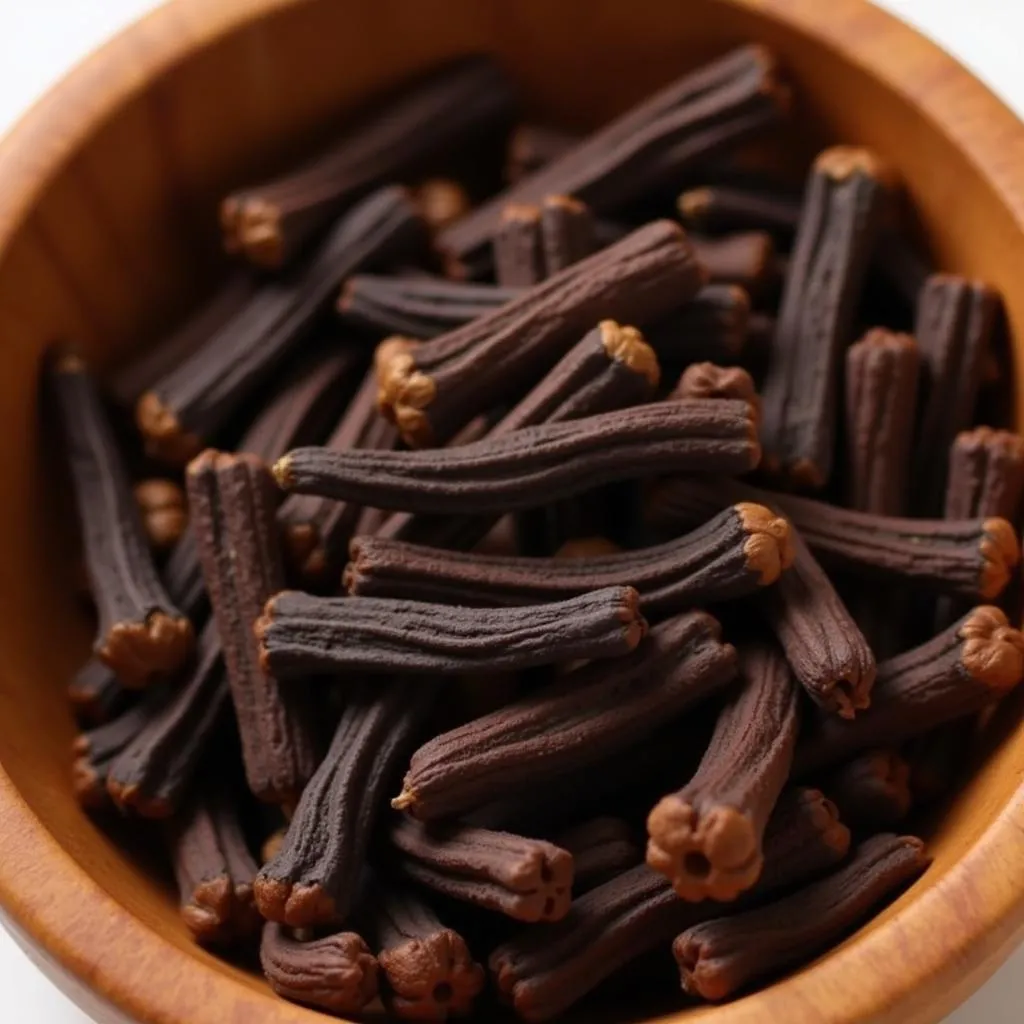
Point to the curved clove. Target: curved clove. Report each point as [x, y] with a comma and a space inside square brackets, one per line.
[586, 716]
[141, 633]
[707, 838]
[740, 550]
[300, 634]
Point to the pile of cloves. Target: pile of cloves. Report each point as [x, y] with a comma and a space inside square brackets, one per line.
[475, 537]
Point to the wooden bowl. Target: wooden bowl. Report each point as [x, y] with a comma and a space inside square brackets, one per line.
[108, 193]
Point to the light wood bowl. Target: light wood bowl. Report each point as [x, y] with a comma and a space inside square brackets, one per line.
[108, 192]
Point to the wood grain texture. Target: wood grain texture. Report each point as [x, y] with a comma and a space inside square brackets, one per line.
[108, 192]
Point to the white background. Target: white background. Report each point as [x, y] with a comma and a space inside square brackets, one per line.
[41, 39]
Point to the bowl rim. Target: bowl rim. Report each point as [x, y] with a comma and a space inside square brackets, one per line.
[948, 940]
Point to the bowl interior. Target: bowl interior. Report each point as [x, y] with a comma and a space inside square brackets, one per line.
[121, 236]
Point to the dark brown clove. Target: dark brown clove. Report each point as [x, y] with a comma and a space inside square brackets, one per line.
[163, 510]
[954, 325]
[881, 402]
[543, 971]
[986, 474]
[518, 248]
[964, 668]
[601, 849]
[826, 650]
[716, 958]
[428, 970]
[873, 790]
[272, 222]
[213, 868]
[141, 633]
[567, 232]
[710, 108]
[721, 208]
[526, 879]
[586, 716]
[432, 389]
[300, 634]
[417, 307]
[316, 530]
[736, 552]
[843, 208]
[151, 773]
[315, 877]
[185, 409]
[537, 465]
[232, 502]
[973, 557]
[706, 839]
[337, 973]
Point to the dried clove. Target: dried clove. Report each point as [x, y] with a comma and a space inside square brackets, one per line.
[314, 879]
[716, 958]
[141, 634]
[518, 248]
[428, 970]
[152, 771]
[525, 879]
[586, 716]
[567, 232]
[300, 634]
[843, 208]
[881, 401]
[213, 868]
[986, 474]
[706, 839]
[316, 530]
[186, 408]
[973, 557]
[418, 307]
[337, 973]
[601, 849]
[432, 389]
[736, 552]
[271, 223]
[536, 465]
[232, 502]
[873, 790]
[964, 668]
[543, 971]
[954, 325]
[711, 108]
